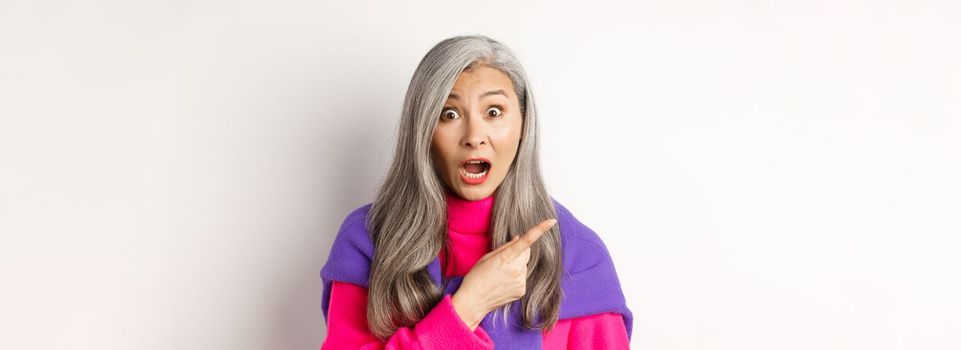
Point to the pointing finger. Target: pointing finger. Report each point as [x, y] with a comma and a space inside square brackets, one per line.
[517, 247]
[505, 245]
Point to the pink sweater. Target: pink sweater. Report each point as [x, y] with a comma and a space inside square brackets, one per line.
[442, 328]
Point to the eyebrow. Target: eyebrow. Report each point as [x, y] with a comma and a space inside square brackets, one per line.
[489, 93]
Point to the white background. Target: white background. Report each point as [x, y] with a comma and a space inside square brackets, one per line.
[766, 175]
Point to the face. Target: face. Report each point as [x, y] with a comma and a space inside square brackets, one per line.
[481, 121]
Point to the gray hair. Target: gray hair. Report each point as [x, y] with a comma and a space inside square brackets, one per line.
[408, 221]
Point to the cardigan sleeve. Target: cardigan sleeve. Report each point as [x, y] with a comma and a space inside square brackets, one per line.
[441, 328]
[598, 331]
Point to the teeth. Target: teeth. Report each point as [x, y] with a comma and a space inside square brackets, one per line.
[474, 161]
[473, 176]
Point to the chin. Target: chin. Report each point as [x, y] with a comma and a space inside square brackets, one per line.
[474, 193]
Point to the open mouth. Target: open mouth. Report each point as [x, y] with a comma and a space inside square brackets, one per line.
[475, 168]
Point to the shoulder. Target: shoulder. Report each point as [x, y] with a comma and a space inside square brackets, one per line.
[354, 231]
[353, 236]
[590, 282]
[582, 247]
[355, 220]
[353, 249]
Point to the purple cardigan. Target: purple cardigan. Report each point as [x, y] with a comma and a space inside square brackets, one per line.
[589, 281]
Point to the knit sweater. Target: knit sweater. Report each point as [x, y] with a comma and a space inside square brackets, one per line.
[442, 328]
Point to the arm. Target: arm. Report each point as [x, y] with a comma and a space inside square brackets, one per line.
[441, 328]
[598, 331]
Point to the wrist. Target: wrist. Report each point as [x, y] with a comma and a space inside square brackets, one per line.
[466, 309]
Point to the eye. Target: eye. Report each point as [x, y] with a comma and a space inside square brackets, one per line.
[497, 111]
[449, 112]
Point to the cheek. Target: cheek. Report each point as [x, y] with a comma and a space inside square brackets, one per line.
[507, 132]
[512, 134]
[507, 143]
[441, 149]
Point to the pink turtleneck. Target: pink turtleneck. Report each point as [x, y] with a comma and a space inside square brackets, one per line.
[468, 225]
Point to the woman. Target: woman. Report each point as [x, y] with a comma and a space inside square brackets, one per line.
[464, 195]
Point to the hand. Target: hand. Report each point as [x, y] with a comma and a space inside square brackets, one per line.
[499, 277]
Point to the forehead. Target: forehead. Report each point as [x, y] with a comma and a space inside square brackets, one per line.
[474, 83]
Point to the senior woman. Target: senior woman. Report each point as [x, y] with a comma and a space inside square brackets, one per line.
[463, 247]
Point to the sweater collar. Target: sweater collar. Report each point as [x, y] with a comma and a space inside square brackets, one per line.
[469, 217]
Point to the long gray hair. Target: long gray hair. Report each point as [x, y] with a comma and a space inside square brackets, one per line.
[408, 218]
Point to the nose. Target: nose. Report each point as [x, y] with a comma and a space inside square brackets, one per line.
[476, 133]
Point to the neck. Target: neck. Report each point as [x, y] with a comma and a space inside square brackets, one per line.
[469, 217]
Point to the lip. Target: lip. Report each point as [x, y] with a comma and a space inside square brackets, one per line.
[474, 181]
[476, 158]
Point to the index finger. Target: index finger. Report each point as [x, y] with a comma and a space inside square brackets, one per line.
[517, 247]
